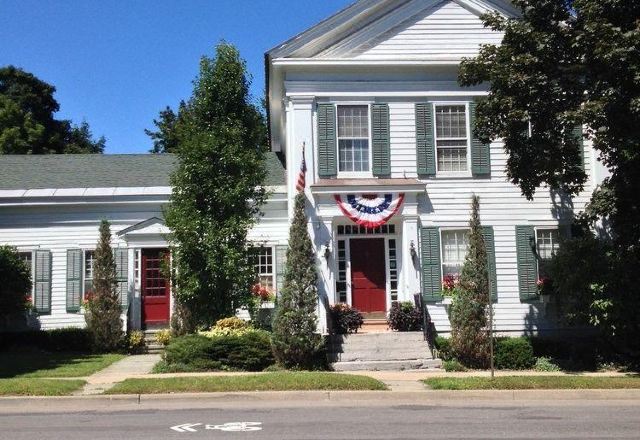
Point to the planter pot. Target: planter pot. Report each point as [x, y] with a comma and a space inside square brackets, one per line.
[267, 305]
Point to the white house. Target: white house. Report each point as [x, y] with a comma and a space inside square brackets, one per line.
[371, 96]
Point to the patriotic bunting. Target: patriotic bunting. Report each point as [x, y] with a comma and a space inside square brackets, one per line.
[370, 210]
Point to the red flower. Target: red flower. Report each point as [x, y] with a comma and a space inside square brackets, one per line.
[449, 282]
[260, 291]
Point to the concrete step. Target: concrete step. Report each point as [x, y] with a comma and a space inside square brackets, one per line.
[380, 354]
[387, 365]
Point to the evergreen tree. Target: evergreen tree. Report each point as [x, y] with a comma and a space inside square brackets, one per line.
[469, 337]
[295, 341]
[217, 191]
[103, 309]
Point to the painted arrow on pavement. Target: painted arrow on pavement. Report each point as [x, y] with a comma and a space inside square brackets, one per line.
[186, 427]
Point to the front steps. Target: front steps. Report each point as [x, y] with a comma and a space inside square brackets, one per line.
[380, 351]
[153, 346]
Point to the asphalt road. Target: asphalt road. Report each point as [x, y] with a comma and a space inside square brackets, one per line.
[354, 420]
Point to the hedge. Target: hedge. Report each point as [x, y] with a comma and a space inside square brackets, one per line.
[63, 339]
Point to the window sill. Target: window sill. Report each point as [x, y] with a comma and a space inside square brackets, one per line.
[354, 175]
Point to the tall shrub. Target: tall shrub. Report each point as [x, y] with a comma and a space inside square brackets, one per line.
[15, 286]
[103, 307]
[295, 341]
[469, 337]
[217, 191]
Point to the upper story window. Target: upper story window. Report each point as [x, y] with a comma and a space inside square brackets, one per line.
[353, 138]
[454, 251]
[547, 244]
[452, 138]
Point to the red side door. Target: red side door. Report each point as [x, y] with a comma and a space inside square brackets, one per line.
[368, 274]
[155, 287]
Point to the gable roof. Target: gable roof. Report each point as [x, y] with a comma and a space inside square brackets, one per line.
[363, 14]
[24, 172]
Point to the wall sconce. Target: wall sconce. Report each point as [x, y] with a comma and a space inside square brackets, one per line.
[327, 250]
[412, 251]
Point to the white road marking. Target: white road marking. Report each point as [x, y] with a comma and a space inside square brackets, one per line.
[237, 426]
[186, 427]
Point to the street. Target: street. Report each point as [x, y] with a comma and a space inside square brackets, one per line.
[338, 420]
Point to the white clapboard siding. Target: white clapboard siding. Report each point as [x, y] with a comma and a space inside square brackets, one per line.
[61, 227]
[446, 29]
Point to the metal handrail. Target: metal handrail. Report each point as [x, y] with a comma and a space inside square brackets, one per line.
[428, 329]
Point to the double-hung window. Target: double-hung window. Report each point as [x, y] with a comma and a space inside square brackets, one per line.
[353, 138]
[263, 264]
[452, 138]
[547, 244]
[88, 273]
[454, 251]
[27, 257]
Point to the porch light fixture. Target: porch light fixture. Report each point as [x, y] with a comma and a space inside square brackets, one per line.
[327, 250]
[412, 250]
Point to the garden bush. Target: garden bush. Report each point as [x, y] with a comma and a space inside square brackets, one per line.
[443, 345]
[453, 365]
[233, 323]
[135, 342]
[345, 319]
[164, 336]
[59, 340]
[249, 351]
[16, 283]
[405, 317]
[514, 354]
[545, 364]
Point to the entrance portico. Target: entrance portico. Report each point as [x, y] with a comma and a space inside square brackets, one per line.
[366, 267]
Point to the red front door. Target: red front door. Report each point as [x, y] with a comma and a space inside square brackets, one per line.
[368, 275]
[155, 287]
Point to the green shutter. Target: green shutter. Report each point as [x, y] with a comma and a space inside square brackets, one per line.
[122, 275]
[430, 260]
[74, 280]
[425, 143]
[42, 281]
[480, 153]
[380, 137]
[577, 132]
[281, 261]
[327, 140]
[527, 263]
[489, 242]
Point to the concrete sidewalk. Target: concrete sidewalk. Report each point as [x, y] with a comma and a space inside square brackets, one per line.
[131, 366]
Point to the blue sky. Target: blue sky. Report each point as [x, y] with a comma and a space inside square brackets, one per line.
[116, 64]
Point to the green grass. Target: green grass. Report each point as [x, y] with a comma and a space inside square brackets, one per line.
[39, 387]
[276, 381]
[532, 383]
[43, 364]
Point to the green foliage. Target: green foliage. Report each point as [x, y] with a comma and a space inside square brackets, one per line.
[103, 307]
[296, 344]
[545, 364]
[452, 366]
[164, 336]
[135, 342]
[443, 345]
[27, 123]
[250, 351]
[233, 323]
[217, 191]
[345, 319]
[166, 139]
[405, 317]
[514, 354]
[15, 287]
[596, 285]
[59, 340]
[468, 313]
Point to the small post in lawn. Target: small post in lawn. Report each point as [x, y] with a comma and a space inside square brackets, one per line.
[491, 331]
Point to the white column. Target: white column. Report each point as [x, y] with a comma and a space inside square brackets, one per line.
[299, 132]
[322, 236]
[410, 236]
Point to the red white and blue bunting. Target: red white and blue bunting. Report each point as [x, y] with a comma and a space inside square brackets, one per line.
[370, 210]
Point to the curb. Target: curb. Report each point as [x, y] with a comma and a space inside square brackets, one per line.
[21, 404]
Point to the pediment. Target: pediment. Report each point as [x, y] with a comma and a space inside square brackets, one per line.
[420, 30]
[153, 226]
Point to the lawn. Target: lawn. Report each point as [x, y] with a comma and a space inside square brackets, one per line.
[532, 383]
[277, 381]
[43, 364]
[39, 387]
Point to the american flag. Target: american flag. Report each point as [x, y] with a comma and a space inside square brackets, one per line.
[301, 183]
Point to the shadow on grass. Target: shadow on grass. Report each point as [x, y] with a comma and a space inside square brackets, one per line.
[37, 363]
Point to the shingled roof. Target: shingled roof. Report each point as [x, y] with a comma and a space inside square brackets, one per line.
[100, 171]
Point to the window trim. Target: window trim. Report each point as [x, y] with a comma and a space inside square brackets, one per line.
[435, 105]
[84, 269]
[441, 231]
[32, 269]
[538, 258]
[274, 270]
[354, 174]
